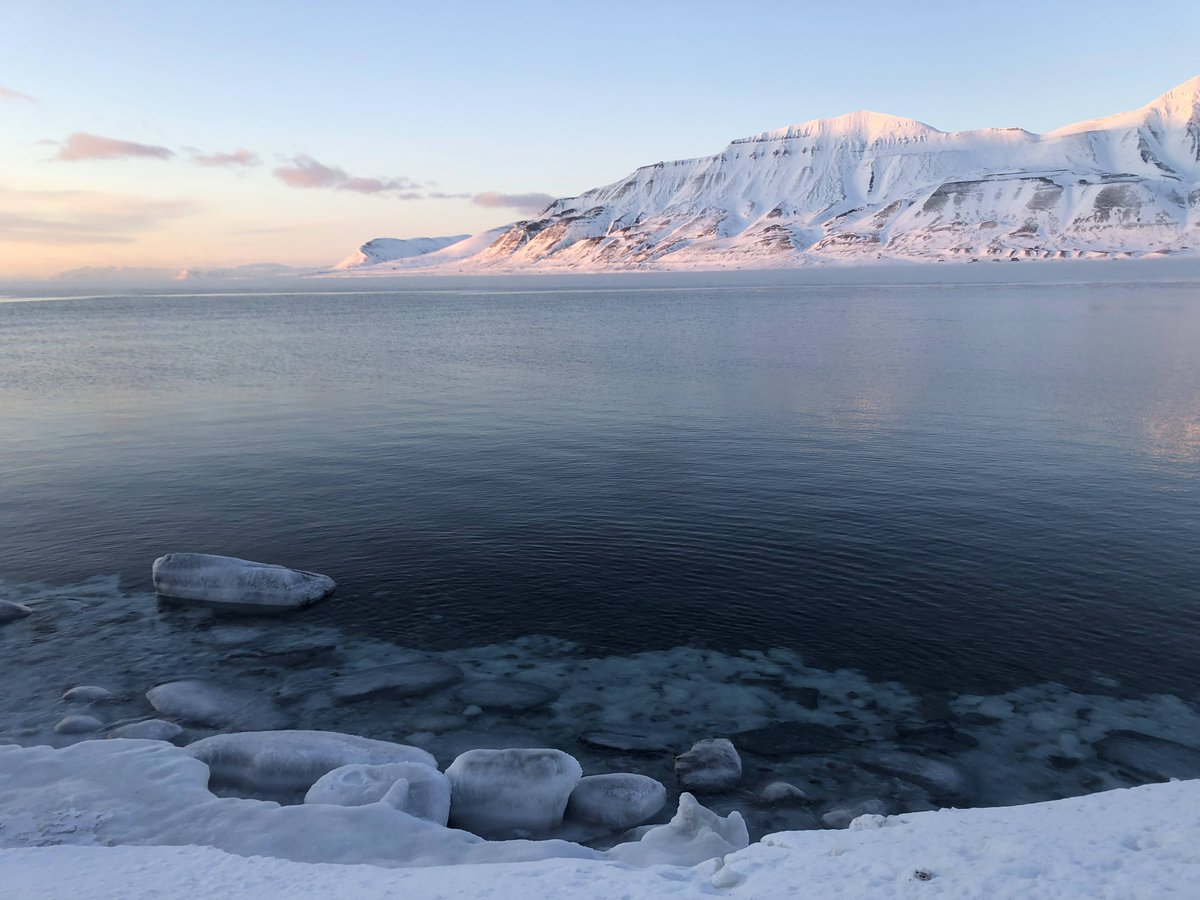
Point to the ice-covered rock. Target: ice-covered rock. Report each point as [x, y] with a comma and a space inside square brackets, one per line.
[780, 793]
[511, 793]
[617, 801]
[88, 693]
[414, 788]
[710, 766]
[1153, 758]
[203, 703]
[237, 583]
[287, 762]
[406, 679]
[943, 778]
[78, 725]
[505, 694]
[694, 835]
[10, 612]
[148, 730]
[842, 813]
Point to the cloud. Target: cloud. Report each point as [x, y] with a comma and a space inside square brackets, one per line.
[530, 203]
[9, 94]
[239, 157]
[306, 172]
[82, 217]
[82, 145]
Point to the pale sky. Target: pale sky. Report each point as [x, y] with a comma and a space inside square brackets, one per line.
[171, 134]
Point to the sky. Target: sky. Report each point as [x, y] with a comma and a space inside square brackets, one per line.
[173, 134]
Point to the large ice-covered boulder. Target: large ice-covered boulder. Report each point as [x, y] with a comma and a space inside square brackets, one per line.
[202, 703]
[617, 801]
[511, 793]
[232, 583]
[291, 762]
[414, 788]
[710, 766]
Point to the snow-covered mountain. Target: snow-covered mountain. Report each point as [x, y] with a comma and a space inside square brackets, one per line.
[868, 186]
[384, 250]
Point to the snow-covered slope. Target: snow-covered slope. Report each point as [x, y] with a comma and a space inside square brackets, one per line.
[869, 186]
[384, 250]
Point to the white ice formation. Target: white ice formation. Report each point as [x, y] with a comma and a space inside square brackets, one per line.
[511, 793]
[710, 766]
[617, 802]
[414, 788]
[149, 730]
[224, 581]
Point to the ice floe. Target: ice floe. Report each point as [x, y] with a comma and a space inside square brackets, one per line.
[236, 583]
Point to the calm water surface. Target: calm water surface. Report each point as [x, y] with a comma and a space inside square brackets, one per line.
[971, 487]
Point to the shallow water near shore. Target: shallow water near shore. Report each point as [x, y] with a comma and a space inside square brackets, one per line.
[957, 513]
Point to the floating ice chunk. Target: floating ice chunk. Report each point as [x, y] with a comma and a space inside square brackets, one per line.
[617, 801]
[202, 703]
[78, 725]
[944, 779]
[237, 583]
[88, 693]
[286, 762]
[996, 707]
[414, 788]
[149, 730]
[511, 793]
[1153, 758]
[710, 766]
[842, 813]
[505, 694]
[10, 612]
[780, 793]
[694, 835]
[406, 679]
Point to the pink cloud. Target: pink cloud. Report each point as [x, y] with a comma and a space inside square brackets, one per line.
[9, 94]
[306, 172]
[239, 157]
[81, 145]
[530, 203]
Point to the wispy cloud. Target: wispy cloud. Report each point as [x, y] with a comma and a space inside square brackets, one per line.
[306, 172]
[82, 217]
[81, 146]
[10, 94]
[530, 203]
[240, 157]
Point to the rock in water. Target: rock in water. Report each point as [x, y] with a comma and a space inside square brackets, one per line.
[944, 779]
[289, 762]
[202, 703]
[616, 801]
[406, 679]
[780, 793]
[237, 584]
[78, 725]
[506, 694]
[149, 730]
[10, 612]
[1153, 758]
[710, 766]
[414, 788]
[88, 693]
[511, 793]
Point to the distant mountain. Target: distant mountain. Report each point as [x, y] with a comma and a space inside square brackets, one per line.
[384, 250]
[235, 273]
[868, 186]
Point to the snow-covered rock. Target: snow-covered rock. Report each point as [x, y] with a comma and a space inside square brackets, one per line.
[710, 766]
[202, 703]
[511, 793]
[617, 801]
[78, 725]
[148, 730]
[414, 788]
[237, 583]
[286, 762]
[780, 793]
[10, 612]
[505, 694]
[88, 693]
[406, 679]
[694, 835]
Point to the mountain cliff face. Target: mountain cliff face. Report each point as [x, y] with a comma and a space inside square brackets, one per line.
[868, 186]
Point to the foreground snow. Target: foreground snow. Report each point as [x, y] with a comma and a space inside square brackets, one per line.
[1139, 842]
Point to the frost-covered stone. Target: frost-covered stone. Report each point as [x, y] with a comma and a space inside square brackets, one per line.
[694, 835]
[505, 694]
[414, 788]
[780, 793]
[943, 778]
[10, 612]
[78, 725]
[149, 730]
[710, 766]
[237, 583]
[616, 801]
[842, 813]
[202, 703]
[1153, 758]
[88, 693]
[285, 762]
[406, 679]
[510, 793]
